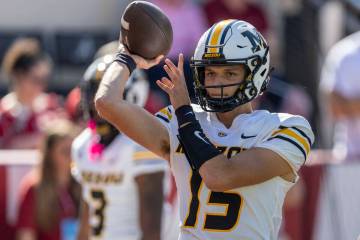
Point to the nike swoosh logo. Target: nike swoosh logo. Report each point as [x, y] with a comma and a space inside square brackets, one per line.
[188, 113]
[246, 137]
[197, 134]
[240, 46]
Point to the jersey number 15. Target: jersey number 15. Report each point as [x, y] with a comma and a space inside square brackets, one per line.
[213, 222]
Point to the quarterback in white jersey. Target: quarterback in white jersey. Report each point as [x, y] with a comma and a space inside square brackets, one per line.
[233, 166]
[124, 186]
[249, 212]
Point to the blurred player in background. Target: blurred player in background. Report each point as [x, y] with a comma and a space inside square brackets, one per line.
[340, 83]
[122, 182]
[233, 166]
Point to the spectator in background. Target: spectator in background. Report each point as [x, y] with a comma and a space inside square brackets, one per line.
[27, 106]
[237, 9]
[50, 196]
[340, 83]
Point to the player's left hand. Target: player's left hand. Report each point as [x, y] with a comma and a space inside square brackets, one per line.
[175, 87]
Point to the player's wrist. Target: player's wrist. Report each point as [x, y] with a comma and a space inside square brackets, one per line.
[185, 114]
[127, 60]
[197, 147]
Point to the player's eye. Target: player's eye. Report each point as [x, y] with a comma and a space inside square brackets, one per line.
[209, 74]
[230, 74]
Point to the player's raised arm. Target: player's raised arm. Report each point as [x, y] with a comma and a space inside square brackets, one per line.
[130, 119]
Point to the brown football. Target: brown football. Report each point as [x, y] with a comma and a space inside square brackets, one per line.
[146, 30]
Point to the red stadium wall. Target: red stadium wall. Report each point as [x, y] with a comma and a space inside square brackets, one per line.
[13, 166]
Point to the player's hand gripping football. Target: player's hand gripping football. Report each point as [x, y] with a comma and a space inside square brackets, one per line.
[140, 61]
[175, 87]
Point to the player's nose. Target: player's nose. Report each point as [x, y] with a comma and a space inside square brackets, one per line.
[216, 80]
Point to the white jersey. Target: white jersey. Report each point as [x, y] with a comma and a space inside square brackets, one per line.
[246, 213]
[109, 187]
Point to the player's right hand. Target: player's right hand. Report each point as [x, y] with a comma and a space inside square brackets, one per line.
[140, 61]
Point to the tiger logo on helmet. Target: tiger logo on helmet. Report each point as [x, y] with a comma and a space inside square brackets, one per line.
[231, 42]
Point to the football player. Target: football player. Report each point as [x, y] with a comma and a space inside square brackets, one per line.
[233, 166]
[122, 183]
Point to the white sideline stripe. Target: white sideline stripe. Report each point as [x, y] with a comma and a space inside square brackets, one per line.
[18, 163]
[19, 157]
[14, 178]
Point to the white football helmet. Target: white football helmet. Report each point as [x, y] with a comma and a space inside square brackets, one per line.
[136, 91]
[231, 42]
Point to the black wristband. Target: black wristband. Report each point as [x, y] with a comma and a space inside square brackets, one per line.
[127, 60]
[185, 114]
[197, 147]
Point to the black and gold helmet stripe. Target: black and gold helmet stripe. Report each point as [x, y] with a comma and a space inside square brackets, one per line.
[216, 36]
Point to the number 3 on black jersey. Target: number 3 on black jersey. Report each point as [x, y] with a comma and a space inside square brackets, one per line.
[213, 222]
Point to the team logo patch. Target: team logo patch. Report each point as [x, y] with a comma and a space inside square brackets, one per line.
[222, 134]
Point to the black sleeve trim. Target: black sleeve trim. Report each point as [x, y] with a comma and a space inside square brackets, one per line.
[162, 118]
[303, 134]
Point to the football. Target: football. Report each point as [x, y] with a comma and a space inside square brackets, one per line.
[146, 30]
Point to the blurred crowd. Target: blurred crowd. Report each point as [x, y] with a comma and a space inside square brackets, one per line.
[315, 48]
